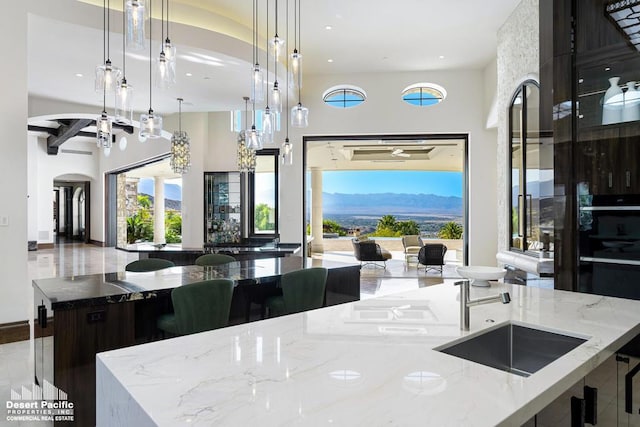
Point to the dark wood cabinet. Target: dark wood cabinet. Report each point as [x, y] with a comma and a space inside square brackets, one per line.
[609, 165]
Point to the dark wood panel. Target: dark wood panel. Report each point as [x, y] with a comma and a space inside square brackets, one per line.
[79, 335]
[594, 30]
[14, 331]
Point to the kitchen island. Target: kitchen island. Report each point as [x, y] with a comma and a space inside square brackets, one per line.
[369, 362]
[80, 316]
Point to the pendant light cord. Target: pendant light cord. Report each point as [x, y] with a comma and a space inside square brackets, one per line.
[124, 45]
[162, 27]
[180, 115]
[287, 66]
[167, 19]
[267, 75]
[108, 27]
[104, 54]
[300, 39]
[275, 57]
[150, 53]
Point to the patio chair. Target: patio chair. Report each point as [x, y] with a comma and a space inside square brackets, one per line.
[369, 252]
[412, 245]
[431, 256]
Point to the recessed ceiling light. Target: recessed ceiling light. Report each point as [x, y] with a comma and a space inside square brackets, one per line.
[188, 74]
[328, 27]
[79, 75]
[608, 69]
[581, 81]
[329, 60]
[441, 56]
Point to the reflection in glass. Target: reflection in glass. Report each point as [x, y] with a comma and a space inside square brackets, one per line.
[531, 174]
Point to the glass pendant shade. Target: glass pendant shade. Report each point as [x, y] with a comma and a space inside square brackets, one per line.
[257, 84]
[107, 77]
[180, 161]
[124, 103]
[287, 153]
[150, 125]
[254, 139]
[299, 116]
[267, 127]
[165, 72]
[103, 131]
[276, 98]
[169, 51]
[276, 45]
[296, 68]
[135, 11]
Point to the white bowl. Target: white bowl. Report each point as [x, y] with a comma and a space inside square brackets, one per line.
[481, 274]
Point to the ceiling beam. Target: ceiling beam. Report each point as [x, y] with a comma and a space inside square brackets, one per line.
[65, 132]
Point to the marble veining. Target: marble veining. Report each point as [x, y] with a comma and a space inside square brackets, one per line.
[368, 362]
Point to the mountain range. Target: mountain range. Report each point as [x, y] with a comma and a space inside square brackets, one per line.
[390, 203]
[171, 191]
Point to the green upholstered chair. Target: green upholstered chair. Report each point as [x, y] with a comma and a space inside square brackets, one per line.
[198, 307]
[214, 259]
[301, 290]
[149, 264]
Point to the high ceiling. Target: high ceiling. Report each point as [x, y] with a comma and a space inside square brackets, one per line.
[214, 44]
[445, 154]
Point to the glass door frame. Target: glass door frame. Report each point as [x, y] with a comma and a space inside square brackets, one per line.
[523, 223]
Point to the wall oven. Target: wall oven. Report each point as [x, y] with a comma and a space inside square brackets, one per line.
[609, 245]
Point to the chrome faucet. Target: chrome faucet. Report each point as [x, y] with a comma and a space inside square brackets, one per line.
[465, 302]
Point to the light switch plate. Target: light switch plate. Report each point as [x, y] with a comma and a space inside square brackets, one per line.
[4, 221]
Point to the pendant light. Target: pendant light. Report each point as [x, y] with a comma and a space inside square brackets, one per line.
[165, 68]
[267, 116]
[124, 91]
[135, 12]
[299, 113]
[296, 57]
[277, 45]
[287, 148]
[170, 51]
[257, 79]
[103, 122]
[180, 161]
[107, 76]
[246, 156]
[151, 123]
[253, 136]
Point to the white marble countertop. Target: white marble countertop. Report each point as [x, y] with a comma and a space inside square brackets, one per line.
[368, 363]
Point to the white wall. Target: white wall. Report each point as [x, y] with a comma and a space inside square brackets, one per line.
[15, 289]
[44, 168]
[463, 111]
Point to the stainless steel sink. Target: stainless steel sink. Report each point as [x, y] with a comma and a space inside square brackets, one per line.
[516, 348]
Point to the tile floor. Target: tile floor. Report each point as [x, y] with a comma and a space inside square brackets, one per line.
[72, 259]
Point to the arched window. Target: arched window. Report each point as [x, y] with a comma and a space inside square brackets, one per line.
[424, 94]
[344, 96]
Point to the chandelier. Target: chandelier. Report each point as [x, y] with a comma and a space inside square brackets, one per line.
[246, 156]
[180, 161]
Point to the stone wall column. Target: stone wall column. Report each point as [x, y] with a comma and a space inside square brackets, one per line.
[316, 210]
[158, 210]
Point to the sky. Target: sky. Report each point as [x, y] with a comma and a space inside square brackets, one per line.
[408, 182]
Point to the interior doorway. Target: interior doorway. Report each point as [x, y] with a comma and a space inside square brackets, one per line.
[399, 178]
[71, 211]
